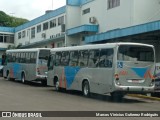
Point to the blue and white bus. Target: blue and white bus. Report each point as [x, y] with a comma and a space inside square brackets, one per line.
[27, 64]
[115, 68]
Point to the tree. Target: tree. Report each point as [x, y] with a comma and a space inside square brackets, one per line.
[9, 21]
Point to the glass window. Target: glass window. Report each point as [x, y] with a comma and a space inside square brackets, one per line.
[45, 26]
[23, 34]
[33, 33]
[86, 11]
[106, 58]
[51, 62]
[83, 58]
[93, 58]
[19, 35]
[38, 28]
[33, 57]
[9, 57]
[58, 58]
[113, 3]
[65, 59]
[13, 57]
[43, 57]
[60, 20]
[53, 23]
[22, 60]
[73, 58]
[27, 57]
[135, 53]
[17, 57]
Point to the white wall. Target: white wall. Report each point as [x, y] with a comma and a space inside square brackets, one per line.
[108, 19]
[72, 16]
[146, 11]
[38, 36]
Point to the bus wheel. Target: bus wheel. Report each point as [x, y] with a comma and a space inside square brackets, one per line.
[86, 89]
[57, 86]
[23, 78]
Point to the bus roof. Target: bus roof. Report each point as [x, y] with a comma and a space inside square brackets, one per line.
[97, 46]
[27, 50]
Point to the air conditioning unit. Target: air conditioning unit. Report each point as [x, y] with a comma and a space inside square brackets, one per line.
[92, 20]
[43, 35]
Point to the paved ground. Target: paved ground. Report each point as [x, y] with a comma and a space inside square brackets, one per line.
[15, 96]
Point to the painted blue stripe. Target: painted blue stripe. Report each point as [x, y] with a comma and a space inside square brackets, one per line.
[140, 71]
[70, 73]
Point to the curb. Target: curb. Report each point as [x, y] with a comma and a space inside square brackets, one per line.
[144, 96]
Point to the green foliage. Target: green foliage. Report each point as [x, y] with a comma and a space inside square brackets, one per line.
[9, 21]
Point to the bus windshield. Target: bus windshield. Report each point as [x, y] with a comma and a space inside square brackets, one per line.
[135, 53]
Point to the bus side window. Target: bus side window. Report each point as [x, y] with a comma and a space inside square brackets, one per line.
[13, 57]
[93, 58]
[106, 58]
[65, 59]
[83, 58]
[33, 57]
[73, 58]
[58, 58]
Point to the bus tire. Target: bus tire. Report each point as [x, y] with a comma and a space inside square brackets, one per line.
[86, 89]
[23, 78]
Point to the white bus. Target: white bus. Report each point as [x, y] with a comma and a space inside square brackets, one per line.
[115, 68]
[27, 64]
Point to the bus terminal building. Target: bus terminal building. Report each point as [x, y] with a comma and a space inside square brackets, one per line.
[82, 22]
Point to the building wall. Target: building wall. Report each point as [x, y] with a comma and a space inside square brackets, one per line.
[108, 19]
[146, 11]
[49, 33]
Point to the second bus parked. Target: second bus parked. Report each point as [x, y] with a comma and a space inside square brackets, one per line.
[115, 68]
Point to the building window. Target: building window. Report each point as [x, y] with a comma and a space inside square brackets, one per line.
[60, 20]
[53, 23]
[86, 11]
[23, 34]
[113, 3]
[45, 26]
[19, 35]
[38, 28]
[32, 32]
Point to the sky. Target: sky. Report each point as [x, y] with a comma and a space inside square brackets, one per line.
[29, 9]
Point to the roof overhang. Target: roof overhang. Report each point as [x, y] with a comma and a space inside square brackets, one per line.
[81, 29]
[124, 32]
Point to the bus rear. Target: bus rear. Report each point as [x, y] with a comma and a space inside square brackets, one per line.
[42, 65]
[135, 68]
